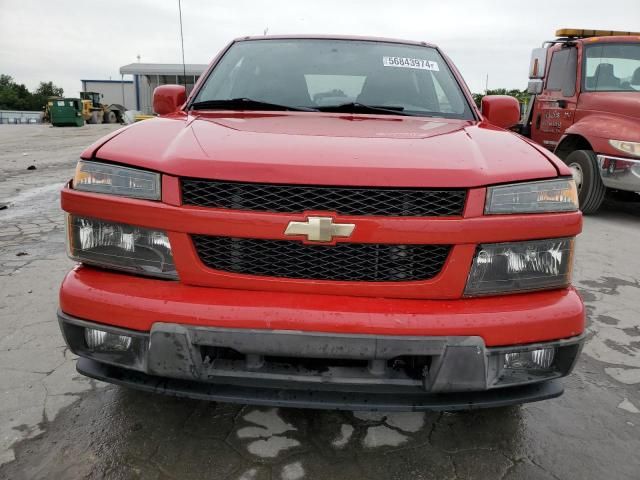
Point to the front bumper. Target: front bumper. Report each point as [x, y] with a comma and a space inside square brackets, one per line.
[320, 370]
[620, 173]
[330, 400]
[137, 303]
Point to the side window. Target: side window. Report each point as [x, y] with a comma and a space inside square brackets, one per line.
[562, 71]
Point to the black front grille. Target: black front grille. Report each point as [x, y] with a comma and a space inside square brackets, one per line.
[403, 202]
[345, 261]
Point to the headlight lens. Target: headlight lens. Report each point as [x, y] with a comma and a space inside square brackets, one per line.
[521, 266]
[120, 246]
[631, 148]
[558, 195]
[116, 180]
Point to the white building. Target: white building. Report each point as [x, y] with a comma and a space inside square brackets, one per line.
[121, 92]
[147, 76]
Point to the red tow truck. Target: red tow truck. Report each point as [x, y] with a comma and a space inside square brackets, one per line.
[325, 222]
[586, 108]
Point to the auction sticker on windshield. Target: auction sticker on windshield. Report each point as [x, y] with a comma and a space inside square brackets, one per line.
[404, 62]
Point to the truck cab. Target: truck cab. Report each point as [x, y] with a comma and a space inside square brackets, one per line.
[93, 97]
[585, 107]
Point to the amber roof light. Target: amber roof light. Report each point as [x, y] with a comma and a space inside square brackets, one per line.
[582, 32]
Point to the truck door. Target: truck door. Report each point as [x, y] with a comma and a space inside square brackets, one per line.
[555, 107]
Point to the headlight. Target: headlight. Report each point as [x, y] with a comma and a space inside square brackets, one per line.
[115, 180]
[631, 148]
[558, 195]
[521, 266]
[120, 246]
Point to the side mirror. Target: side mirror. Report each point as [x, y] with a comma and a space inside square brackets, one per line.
[168, 98]
[538, 63]
[501, 110]
[534, 87]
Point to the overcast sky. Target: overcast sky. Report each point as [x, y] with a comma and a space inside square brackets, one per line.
[68, 40]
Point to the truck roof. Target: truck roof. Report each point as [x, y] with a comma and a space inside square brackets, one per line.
[334, 37]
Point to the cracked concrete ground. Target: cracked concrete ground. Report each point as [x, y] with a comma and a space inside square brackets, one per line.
[57, 424]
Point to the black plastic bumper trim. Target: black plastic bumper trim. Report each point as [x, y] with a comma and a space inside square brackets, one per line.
[328, 400]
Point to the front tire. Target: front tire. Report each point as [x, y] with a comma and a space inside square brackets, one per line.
[110, 117]
[584, 168]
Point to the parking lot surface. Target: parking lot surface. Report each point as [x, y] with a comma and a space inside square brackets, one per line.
[57, 424]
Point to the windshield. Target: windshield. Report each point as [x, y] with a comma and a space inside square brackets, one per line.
[612, 67]
[324, 74]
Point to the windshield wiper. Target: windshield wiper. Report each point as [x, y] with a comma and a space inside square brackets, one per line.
[355, 107]
[245, 104]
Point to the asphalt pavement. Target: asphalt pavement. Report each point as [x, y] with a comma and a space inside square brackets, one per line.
[57, 424]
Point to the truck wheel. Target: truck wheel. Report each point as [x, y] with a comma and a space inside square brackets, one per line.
[110, 117]
[584, 169]
[93, 118]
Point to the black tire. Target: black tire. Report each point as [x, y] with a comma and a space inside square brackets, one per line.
[110, 117]
[95, 118]
[591, 190]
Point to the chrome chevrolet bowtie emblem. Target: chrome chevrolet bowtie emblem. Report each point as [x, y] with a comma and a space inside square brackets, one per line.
[320, 229]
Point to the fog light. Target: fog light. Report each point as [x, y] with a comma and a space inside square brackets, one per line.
[540, 359]
[102, 341]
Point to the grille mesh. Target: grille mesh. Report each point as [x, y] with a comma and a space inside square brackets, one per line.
[404, 202]
[342, 262]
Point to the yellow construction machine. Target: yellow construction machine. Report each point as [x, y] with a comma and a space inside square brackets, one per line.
[94, 111]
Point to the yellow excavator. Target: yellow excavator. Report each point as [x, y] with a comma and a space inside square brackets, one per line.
[94, 111]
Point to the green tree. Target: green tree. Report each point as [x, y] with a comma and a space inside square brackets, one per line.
[5, 80]
[14, 96]
[48, 89]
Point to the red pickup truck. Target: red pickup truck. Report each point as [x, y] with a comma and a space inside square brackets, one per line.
[325, 222]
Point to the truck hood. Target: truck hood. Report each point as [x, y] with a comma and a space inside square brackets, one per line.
[329, 149]
[601, 116]
[624, 104]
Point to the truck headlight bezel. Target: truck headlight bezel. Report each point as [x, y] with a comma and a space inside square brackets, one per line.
[524, 266]
[120, 246]
[546, 196]
[99, 177]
